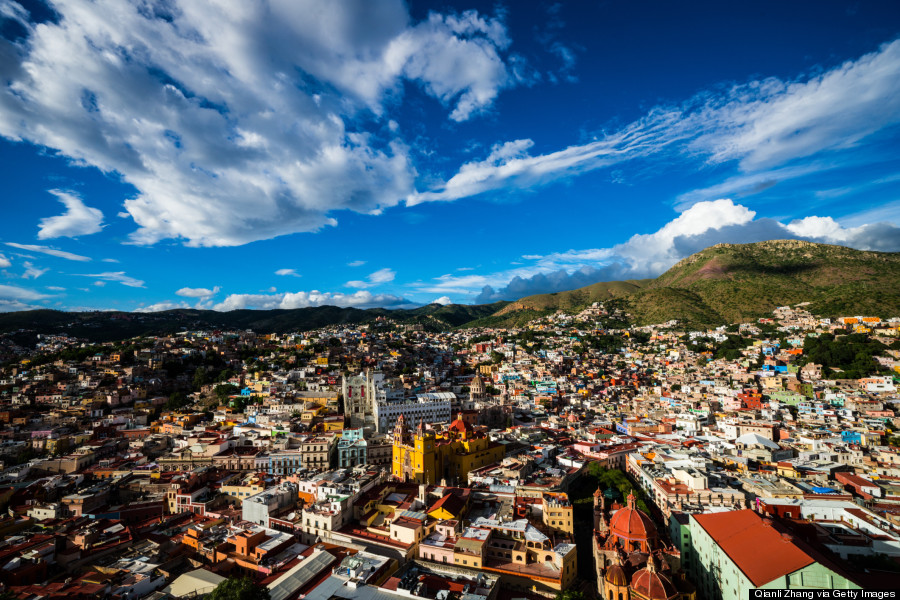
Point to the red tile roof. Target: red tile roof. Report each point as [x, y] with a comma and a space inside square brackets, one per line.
[760, 550]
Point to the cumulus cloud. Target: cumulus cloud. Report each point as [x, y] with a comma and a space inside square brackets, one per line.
[443, 300]
[77, 220]
[187, 292]
[762, 124]
[238, 121]
[49, 251]
[359, 299]
[648, 255]
[4, 262]
[291, 272]
[376, 278]
[118, 277]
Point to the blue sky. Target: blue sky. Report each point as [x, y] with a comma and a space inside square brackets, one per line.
[291, 153]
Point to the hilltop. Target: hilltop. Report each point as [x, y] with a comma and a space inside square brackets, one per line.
[730, 283]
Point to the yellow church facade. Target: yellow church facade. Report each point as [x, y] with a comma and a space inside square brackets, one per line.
[424, 457]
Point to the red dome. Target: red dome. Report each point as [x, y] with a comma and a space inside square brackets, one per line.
[460, 426]
[632, 524]
[653, 585]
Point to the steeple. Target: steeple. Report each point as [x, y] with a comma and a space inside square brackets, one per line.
[400, 430]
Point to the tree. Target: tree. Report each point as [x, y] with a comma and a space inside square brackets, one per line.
[571, 595]
[176, 401]
[239, 588]
[223, 390]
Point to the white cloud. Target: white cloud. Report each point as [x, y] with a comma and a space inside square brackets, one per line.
[109, 260]
[4, 262]
[648, 255]
[99, 284]
[31, 271]
[356, 263]
[161, 306]
[378, 277]
[291, 272]
[187, 292]
[761, 124]
[443, 300]
[12, 292]
[118, 276]
[14, 298]
[771, 122]
[56, 288]
[50, 251]
[360, 299]
[218, 110]
[77, 220]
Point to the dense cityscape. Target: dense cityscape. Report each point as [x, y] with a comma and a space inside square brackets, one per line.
[449, 300]
[576, 456]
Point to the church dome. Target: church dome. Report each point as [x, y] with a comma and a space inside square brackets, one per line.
[653, 585]
[615, 575]
[460, 426]
[632, 524]
[477, 385]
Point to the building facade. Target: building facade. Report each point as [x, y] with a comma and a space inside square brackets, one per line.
[425, 457]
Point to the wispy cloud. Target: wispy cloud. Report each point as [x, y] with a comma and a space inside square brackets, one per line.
[378, 277]
[761, 125]
[77, 220]
[31, 271]
[356, 263]
[187, 292]
[49, 251]
[288, 272]
[117, 277]
[14, 298]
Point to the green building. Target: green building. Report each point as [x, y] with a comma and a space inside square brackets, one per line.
[727, 554]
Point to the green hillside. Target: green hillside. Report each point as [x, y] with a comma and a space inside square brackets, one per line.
[575, 299]
[730, 283]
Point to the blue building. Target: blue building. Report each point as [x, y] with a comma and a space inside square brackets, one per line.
[352, 448]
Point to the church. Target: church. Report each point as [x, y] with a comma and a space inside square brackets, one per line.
[632, 561]
[429, 458]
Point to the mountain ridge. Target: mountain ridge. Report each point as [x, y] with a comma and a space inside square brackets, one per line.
[721, 284]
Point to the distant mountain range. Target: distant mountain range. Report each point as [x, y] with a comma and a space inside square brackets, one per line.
[726, 283]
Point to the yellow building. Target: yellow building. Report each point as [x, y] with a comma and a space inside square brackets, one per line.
[557, 513]
[425, 457]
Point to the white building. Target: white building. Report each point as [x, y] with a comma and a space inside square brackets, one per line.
[258, 507]
[430, 408]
